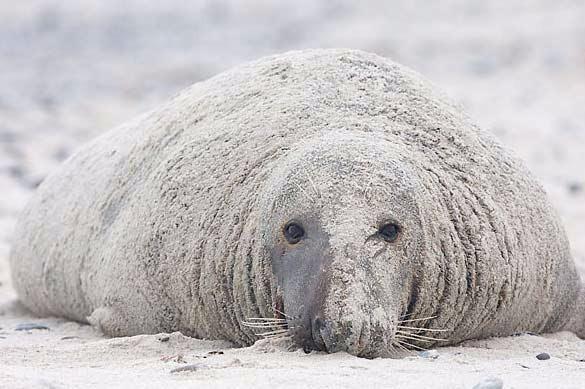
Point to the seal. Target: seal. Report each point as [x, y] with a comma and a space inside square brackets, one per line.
[332, 196]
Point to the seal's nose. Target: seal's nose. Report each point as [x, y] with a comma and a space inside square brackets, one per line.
[318, 324]
[357, 338]
[311, 334]
[318, 328]
[323, 336]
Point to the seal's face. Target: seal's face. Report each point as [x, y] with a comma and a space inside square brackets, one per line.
[343, 239]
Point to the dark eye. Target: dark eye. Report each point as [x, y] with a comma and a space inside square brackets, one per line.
[389, 232]
[293, 232]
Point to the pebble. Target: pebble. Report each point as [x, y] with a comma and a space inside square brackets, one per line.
[489, 383]
[543, 356]
[31, 326]
[16, 172]
[575, 187]
[34, 182]
[429, 354]
[193, 367]
[61, 154]
[7, 136]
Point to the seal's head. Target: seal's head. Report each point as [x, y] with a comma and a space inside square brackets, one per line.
[343, 231]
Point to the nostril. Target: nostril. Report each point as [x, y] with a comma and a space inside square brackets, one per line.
[320, 333]
[319, 329]
[318, 323]
[315, 334]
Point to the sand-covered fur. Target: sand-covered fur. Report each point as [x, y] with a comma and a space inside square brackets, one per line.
[173, 222]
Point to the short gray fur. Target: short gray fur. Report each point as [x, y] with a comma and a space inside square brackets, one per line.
[173, 221]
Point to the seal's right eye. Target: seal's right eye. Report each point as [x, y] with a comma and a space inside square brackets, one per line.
[293, 232]
[389, 232]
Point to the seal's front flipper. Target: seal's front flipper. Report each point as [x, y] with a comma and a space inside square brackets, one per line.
[110, 321]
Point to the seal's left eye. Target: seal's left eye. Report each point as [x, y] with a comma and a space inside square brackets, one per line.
[293, 232]
[389, 232]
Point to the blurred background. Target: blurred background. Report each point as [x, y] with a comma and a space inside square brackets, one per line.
[71, 69]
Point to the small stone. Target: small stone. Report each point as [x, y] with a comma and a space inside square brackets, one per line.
[575, 187]
[215, 352]
[34, 182]
[429, 354]
[7, 136]
[174, 358]
[543, 356]
[31, 326]
[489, 383]
[61, 154]
[16, 172]
[194, 367]
[164, 339]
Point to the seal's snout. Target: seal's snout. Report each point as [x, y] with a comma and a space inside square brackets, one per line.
[316, 334]
[323, 335]
[307, 332]
[362, 339]
[320, 332]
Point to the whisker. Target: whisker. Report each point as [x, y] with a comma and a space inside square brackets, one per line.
[422, 329]
[280, 336]
[277, 333]
[265, 319]
[275, 336]
[401, 347]
[313, 184]
[273, 332]
[267, 325]
[412, 345]
[282, 313]
[420, 319]
[421, 336]
[417, 339]
[305, 193]
[264, 323]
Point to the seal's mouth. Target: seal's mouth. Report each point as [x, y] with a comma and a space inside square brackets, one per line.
[366, 339]
[322, 335]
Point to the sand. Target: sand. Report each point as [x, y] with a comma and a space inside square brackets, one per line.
[70, 70]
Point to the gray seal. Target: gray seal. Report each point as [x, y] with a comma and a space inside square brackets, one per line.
[332, 196]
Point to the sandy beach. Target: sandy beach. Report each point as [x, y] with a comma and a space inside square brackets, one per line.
[70, 70]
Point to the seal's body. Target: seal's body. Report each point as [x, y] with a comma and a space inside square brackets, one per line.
[333, 190]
